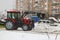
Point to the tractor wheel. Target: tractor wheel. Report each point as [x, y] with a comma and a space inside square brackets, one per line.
[10, 26]
[25, 27]
[30, 27]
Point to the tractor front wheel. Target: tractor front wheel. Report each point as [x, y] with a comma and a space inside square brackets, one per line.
[30, 27]
[10, 26]
[25, 27]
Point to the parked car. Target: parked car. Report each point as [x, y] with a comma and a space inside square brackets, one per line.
[50, 25]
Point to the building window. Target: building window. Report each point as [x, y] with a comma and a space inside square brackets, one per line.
[36, 2]
[21, 0]
[56, 10]
[30, 1]
[46, 8]
[56, 4]
[54, 1]
[45, 0]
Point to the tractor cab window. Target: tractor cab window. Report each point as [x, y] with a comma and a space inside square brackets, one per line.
[13, 15]
[9, 15]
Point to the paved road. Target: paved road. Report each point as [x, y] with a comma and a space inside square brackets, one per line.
[26, 35]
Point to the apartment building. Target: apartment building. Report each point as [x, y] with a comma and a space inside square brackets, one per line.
[22, 5]
[46, 6]
[54, 7]
[32, 5]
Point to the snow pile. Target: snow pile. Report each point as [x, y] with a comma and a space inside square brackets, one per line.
[46, 27]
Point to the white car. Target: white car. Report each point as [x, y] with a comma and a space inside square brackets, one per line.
[47, 26]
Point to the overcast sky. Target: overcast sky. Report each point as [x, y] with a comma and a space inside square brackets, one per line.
[7, 4]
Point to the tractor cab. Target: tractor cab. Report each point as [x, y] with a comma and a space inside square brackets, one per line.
[13, 14]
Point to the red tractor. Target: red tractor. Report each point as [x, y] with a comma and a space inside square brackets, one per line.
[15, 20]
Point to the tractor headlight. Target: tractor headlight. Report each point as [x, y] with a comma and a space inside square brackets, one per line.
[26, 18]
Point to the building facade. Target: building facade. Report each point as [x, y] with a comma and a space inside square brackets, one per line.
[54, 7]
[31, 5]
[46, 6]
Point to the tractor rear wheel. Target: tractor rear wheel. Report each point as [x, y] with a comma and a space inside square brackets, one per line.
[10, 26]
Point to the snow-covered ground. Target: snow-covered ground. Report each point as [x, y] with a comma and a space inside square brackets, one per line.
[26, 35]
